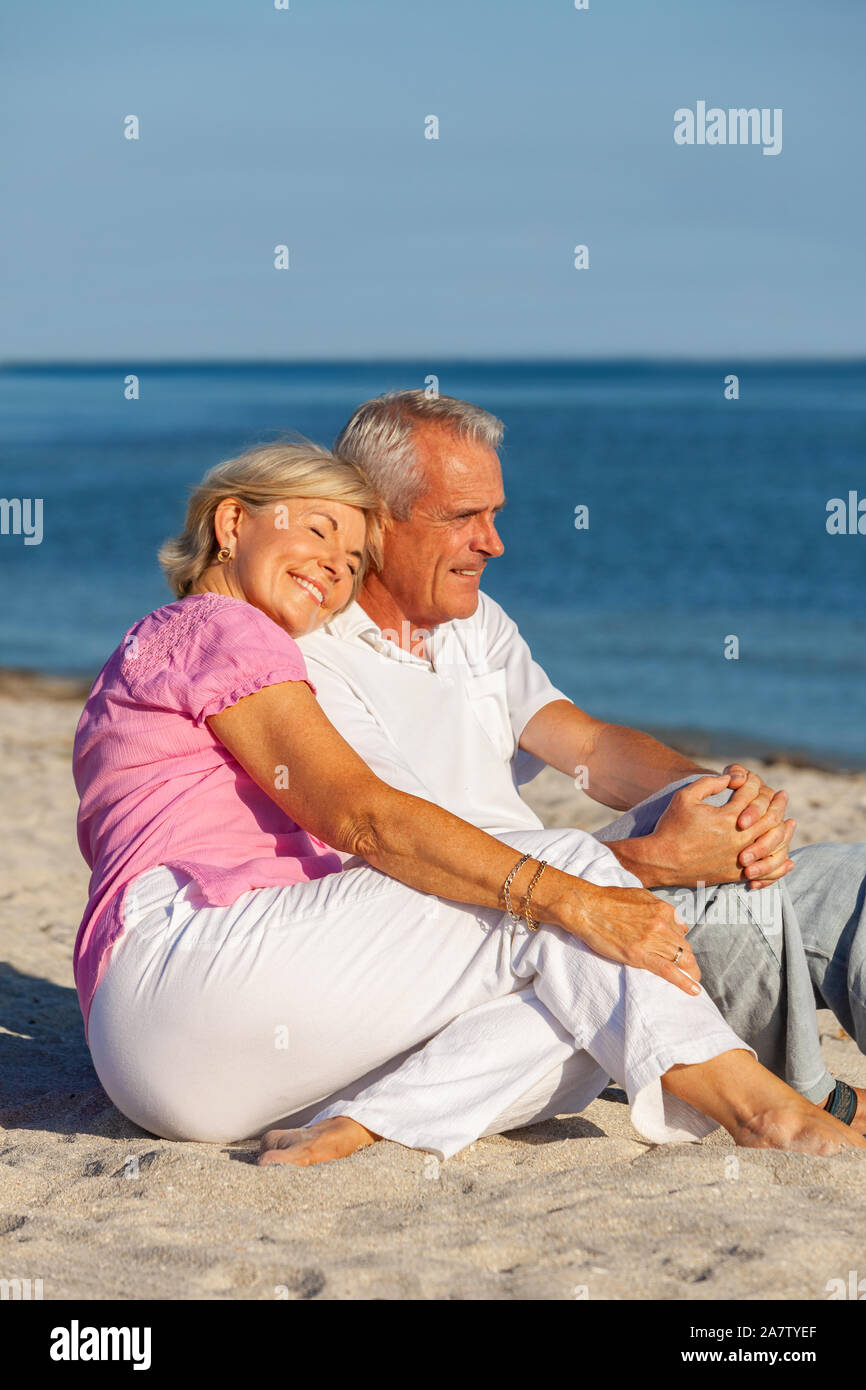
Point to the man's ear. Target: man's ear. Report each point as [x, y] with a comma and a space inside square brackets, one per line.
[379, 528]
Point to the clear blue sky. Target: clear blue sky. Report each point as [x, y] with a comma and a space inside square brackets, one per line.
[306, 127]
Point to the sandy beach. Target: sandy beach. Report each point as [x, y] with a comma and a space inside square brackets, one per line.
[579, 1207]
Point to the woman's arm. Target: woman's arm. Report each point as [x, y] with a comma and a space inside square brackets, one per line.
[333, 794]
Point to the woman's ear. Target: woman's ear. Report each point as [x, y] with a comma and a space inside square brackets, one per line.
[227, 523]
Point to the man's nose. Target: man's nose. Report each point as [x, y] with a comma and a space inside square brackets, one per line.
[489, 541]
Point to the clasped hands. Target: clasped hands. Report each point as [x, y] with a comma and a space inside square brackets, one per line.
[746, 840]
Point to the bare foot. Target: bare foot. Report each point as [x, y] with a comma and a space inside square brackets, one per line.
[758, 1109]
[329, 1139]
[801, 1130]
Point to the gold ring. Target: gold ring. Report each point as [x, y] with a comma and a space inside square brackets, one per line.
[677, 956]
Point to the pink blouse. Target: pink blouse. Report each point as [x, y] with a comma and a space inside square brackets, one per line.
[157, 787]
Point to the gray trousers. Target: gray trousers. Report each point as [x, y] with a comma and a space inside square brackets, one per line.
[767, 959]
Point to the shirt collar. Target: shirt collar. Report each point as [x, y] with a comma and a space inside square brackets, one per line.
[354, 624]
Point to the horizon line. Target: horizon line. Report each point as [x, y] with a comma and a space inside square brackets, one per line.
[104, 363]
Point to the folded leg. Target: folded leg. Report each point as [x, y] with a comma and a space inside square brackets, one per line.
[502, 1065]
[516, 1060]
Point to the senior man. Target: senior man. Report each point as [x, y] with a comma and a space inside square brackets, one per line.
[433, 685]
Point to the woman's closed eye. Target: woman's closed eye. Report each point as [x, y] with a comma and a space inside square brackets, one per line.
[320, 534]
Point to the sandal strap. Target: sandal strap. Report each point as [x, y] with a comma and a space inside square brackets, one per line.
[842, 1103]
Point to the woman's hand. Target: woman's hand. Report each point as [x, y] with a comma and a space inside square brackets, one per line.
[632, 927]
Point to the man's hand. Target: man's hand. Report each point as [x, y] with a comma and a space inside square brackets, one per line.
[766, 859]
[696, 843]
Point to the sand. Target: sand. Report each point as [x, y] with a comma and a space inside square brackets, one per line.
[577, 1208]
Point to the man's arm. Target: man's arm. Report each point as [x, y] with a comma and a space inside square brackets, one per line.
[622, 766]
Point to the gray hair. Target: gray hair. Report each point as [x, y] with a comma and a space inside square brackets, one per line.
[379, 439]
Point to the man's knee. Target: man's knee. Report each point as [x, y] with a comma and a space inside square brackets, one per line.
[828, 889]
[643, 818]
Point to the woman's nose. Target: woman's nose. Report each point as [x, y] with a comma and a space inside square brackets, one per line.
[335, 563]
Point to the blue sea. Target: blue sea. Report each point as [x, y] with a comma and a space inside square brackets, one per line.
[707, 521]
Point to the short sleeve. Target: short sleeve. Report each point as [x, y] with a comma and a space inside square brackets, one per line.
[208, 652]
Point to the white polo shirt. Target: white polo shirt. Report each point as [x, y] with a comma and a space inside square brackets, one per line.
[445, 725]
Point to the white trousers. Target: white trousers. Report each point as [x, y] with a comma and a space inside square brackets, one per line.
[427, 1021]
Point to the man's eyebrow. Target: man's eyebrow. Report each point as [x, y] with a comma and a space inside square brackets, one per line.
[474, 511]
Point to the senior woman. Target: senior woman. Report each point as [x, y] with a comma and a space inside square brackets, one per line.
[234, 971]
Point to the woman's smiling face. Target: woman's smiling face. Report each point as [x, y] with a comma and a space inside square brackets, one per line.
[296, 561]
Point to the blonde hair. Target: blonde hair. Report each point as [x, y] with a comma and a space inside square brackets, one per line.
[260, 478]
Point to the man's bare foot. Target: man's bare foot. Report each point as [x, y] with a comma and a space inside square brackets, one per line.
[801, 1129]
[329, 1139]
[758, 1109]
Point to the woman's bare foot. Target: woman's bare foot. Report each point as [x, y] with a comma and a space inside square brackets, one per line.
[334, 1138]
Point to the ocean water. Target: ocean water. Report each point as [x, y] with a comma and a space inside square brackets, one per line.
[707, 521]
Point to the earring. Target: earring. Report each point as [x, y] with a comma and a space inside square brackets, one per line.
[224, 554]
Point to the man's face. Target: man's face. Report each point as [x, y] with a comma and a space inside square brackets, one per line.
[434, 561]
